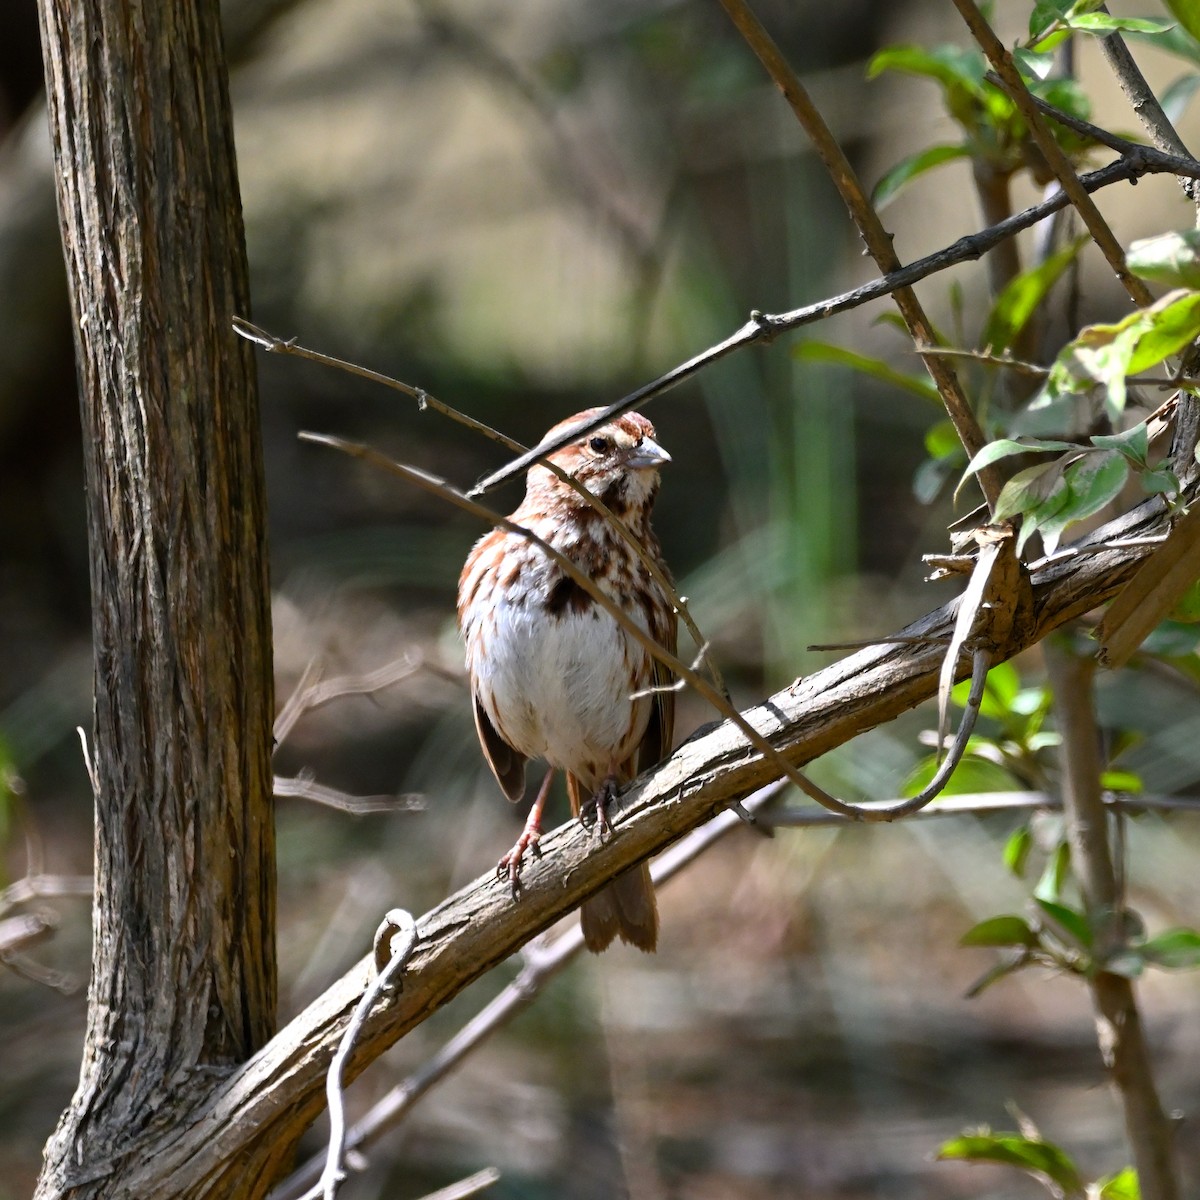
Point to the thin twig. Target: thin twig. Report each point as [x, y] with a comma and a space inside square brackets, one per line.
[333, 1174]
[439, 487]
[272, 343]
[1052, 152]
[1142, 99]
[465, 1188]
[1118, 1022]
[303, 787]
[313, 692]
[876, 237]
[543, 962]
[763, 328]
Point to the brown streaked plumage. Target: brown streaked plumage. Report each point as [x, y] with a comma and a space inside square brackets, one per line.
[552, 673]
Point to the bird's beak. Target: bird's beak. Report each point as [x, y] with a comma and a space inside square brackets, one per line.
[647, 454]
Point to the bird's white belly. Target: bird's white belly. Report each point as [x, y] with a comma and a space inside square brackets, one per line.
[558, 687]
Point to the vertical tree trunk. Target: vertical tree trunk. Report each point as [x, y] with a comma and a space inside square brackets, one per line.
[183, 969]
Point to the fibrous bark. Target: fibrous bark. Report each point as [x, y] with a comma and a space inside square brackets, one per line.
[183, 971]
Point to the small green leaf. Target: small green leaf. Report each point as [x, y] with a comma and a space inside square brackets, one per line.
[1121, 1186]
[1042, 1159]
[1161, 480]
[912, 167]
[1174, 324]
[1175, 41]
[1121, 781]
[1102, 24]
[951, 67]
[1177, 949]
[1010, 962]
[1000, 931]
[941, 440]
[918, 385]
[1069, 921]
[1172, 259]
[1093, 482]
[1020, 298]
[1134, 443]
[973, 774]
[1041, 487]
[1054, 874]
[1006, 447]
[1016, 850]
[1046, 13]
[1187, 607]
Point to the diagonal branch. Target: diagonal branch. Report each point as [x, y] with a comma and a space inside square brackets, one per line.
[1052, 152]
[764, 328]
[876, 237]
[280, 1090]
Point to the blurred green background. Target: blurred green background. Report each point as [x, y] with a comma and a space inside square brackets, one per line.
[526, 210]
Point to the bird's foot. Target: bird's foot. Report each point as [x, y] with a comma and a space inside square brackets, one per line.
[594, 814]
[510, 865]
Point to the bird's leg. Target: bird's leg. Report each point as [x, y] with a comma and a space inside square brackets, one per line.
[510, 864]
[597, 806]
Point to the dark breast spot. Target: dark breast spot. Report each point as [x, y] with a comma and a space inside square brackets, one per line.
[567, 596]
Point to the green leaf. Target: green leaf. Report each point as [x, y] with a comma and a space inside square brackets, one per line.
[1103, 24]
[948, 65]
[1040, 487]
[1042, 1159]
[1093, 481]
[999, 690]
[1046, 13]
[1187, 13]
[1187, 607]
[1175, 41]
[1000, 931]
[1121, 1186]
[1121, 781]
[1069, 921]
[973, 774]
[1134, 443]
[918, 385]
[1176, 949]
[1172, 259]
[1016, 850]
[1161, 480]
[1005, 447]
[1021, 297]
[1010, 962]
[1103, 355]
[941, 440]
[1050, 886]
[910, 168]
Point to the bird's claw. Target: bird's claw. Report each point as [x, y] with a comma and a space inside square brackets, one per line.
[510, 865]
[594, 814]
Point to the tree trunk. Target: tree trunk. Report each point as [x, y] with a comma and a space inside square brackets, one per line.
[183, 970]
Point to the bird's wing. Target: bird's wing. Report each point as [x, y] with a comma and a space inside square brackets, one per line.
[507, 765]
[660, 732]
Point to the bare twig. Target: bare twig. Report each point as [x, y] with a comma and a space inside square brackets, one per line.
[877, 239]
[439, 487]
[303, 787]
[1143, 101]
[1118, 1022]
[44, 887]
[1052, 152]
[763, 328]
[312, 691]
[465, 1188]
[333, 1174]
[542, 963]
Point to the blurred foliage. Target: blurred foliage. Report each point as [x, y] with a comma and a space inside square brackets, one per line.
[527, 210]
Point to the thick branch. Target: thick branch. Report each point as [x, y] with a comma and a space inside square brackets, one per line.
[183, 961]
[280, 1090]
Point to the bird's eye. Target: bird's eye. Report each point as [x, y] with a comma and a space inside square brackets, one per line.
[599, 444]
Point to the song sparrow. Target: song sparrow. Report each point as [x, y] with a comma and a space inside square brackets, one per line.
[553, 675]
